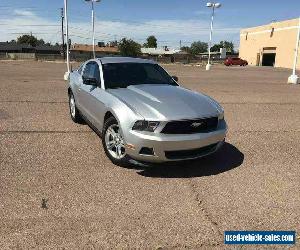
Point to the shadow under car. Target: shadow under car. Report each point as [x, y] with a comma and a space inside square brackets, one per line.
[226, 158]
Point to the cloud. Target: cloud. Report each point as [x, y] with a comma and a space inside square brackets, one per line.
[168, 32]
[25, 13]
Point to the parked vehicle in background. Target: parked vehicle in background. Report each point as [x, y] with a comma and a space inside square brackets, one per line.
[235, 61]
[141, 112]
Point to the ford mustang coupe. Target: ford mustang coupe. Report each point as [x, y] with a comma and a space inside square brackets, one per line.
[142, 113]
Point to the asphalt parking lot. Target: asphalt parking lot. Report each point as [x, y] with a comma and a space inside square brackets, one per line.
[253, 183]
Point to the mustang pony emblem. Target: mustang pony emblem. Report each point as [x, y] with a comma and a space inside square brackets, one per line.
[196, 124]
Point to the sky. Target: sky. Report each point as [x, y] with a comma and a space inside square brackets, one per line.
[171, 21]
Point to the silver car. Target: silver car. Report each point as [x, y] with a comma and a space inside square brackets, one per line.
[142, 113]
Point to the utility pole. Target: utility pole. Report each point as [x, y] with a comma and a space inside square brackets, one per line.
[62, 33]
[180, 44]
[66, 75]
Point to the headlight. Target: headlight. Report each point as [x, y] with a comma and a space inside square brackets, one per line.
[221, 116]
[145, 125]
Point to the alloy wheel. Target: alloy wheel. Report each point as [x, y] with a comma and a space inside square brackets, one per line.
[114, 142]
[72, 106]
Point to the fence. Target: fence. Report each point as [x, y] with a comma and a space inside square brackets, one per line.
[48, 57]
[81, 57]
[21, 56]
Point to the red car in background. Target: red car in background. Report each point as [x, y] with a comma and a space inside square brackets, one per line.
[235, 61]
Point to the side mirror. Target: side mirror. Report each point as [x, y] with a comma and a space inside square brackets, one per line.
[89, 81]
[175, 78]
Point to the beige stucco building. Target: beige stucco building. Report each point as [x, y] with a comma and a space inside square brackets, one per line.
[270, 45]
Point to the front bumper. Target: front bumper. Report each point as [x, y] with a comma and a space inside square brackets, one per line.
[162, 143]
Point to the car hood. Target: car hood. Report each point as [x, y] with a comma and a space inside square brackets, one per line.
[166, 102]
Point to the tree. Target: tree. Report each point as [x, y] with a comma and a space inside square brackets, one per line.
[223, 44]
[186, 49]
[216, 47]
[113, 43]
[198, 47]
[129, 47]
[30, 39]
[151, 42]
[228, 46]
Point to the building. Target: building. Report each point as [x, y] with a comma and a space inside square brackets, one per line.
[270, 45]
[100, 49]
[83, 52]
[12, 47]
[159, 51]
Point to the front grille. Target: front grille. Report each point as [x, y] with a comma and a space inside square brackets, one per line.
[191, 153]
[203, 125]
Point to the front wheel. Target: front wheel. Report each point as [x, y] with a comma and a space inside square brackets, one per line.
[113, 142]
[74, 112]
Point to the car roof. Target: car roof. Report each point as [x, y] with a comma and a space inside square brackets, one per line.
[120, 59]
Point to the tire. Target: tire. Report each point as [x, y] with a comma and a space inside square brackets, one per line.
[113, 142]
[74, 112]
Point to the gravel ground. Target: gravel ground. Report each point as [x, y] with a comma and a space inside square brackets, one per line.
[58, 190]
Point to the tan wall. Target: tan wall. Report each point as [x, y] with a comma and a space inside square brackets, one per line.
[284, 39]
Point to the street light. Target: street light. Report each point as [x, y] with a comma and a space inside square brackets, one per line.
[93, 23]
[213, 6]
[294, 78]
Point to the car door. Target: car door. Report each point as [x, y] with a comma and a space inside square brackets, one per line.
[91, 96]
[77, 80]
[234, 61]
[239, 61]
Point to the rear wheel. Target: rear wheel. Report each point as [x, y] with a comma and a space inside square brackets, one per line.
[113, 142]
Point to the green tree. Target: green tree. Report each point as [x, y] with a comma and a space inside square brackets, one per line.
[223, 44]
[30, 39]
[228, 46]
[186, 49]
[151, 42]
[198, 47]
[216, 47]
[129, 47]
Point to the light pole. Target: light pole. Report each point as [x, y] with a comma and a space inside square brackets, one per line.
[213, 6]
[66, 76]
[293, 78]
[93, 23]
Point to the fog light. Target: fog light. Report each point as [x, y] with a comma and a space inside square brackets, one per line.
[146, 151]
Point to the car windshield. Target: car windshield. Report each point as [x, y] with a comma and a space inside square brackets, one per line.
[122, 75]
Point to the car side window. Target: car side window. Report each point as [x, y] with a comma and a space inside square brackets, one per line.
[96, 73]
[79, 70]
[91, 70]
[86, 71]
